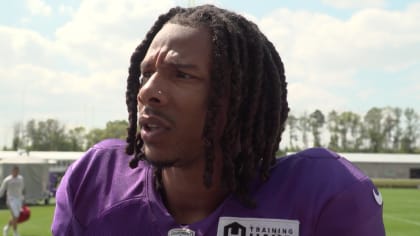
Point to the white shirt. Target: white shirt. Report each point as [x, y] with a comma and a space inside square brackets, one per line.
[14, 187]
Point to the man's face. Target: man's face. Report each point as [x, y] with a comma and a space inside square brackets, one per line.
[173, 98]
[15, 172]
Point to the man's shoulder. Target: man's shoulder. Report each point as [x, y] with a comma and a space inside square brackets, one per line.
[7, 178]
[320, 184]
[313, 177]
[316, 157]
[316, 154]
[111, 143]
[104, 171]
[105, 152]
[320, 165]
[101, 180]
[104, 159]
[106, 166]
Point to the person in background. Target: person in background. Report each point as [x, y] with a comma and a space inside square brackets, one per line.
[207, 103]
[13, 185]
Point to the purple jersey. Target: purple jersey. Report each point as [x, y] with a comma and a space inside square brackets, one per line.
[312, 193]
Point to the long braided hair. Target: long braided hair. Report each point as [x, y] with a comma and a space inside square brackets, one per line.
[250, 73]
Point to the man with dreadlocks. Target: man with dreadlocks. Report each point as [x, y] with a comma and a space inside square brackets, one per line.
[207, 103]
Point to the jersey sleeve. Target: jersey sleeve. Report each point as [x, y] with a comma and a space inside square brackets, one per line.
[355, 211]
[64, 222]
[3, 186]
[23, 191]
[80, 197]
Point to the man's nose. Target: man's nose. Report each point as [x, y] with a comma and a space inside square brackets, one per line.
[153, 92]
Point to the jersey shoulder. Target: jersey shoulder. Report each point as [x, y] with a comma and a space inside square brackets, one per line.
[326, 193]
[101, 181]
[323, 164]
[318, 173]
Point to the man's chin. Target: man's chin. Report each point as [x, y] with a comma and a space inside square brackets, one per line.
[161, 163]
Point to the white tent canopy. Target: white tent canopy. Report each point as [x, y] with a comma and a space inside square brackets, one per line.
[35, 173]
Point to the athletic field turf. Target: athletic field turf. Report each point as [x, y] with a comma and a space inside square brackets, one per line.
[401, 215]
[401, 211]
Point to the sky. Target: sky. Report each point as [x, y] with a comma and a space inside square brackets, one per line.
[68, 60]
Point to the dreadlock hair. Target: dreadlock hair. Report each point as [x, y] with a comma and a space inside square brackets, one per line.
[249, 74]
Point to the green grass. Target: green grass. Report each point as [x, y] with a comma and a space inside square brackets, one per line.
[38, 225]
[401, 215]
[401, 211]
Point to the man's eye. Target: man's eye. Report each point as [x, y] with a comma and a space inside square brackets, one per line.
[144, 77]
[146, 74]
[182, 75]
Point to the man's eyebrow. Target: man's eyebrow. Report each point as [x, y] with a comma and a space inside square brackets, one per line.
[179, 65]
[183, 65]
[144, 64]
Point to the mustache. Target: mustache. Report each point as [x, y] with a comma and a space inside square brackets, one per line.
[149, 111]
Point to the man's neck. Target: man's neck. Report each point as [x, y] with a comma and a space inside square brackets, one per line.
[186, 197]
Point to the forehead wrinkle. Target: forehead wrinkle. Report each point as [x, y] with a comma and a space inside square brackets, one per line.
[151, 57]
[175, 58]
[170, 57]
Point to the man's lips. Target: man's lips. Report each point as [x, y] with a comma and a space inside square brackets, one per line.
[153, 124]
[153, 117]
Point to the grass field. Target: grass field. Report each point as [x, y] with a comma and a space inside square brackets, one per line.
[401, 211]
[401, 215]
[38, 225]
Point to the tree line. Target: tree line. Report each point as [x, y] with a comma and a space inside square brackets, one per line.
[52, 135]
[388, 129]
